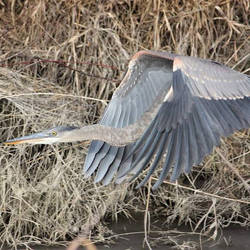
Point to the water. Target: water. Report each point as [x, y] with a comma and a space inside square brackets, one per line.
[131, 237]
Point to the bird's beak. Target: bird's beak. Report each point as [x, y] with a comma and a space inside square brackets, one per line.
[38, 138]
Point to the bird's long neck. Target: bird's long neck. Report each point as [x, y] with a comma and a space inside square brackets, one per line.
[117, 136]
[113, 136]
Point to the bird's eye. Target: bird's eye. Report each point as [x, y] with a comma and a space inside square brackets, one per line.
[53, 133]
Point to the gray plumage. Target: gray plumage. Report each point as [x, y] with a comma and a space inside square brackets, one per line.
[209, 100]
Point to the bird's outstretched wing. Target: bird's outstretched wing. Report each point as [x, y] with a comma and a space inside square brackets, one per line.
[209, 101]
[146, 78]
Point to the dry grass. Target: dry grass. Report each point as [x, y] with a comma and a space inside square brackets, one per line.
[43, 197]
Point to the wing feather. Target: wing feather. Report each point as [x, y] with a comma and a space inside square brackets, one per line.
[93, 150]
[177, 166]
[169, 158]
[211, 80]
[183, 154]
[106, 162]
[193, 149]
[160, 151]
[97, 158]
[113, 168]
[147, 148]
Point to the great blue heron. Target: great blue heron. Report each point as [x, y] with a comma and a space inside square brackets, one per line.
[167, 105]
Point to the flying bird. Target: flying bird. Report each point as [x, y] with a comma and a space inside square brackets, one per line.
[169, 107]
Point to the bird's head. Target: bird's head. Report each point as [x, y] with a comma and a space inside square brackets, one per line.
[50, 136]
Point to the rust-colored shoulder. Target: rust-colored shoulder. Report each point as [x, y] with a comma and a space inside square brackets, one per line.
[140, 53]
[178, 64]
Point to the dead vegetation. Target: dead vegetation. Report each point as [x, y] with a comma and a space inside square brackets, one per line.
[44, 199]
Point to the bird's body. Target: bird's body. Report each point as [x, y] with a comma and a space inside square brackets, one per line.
[168, 106]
